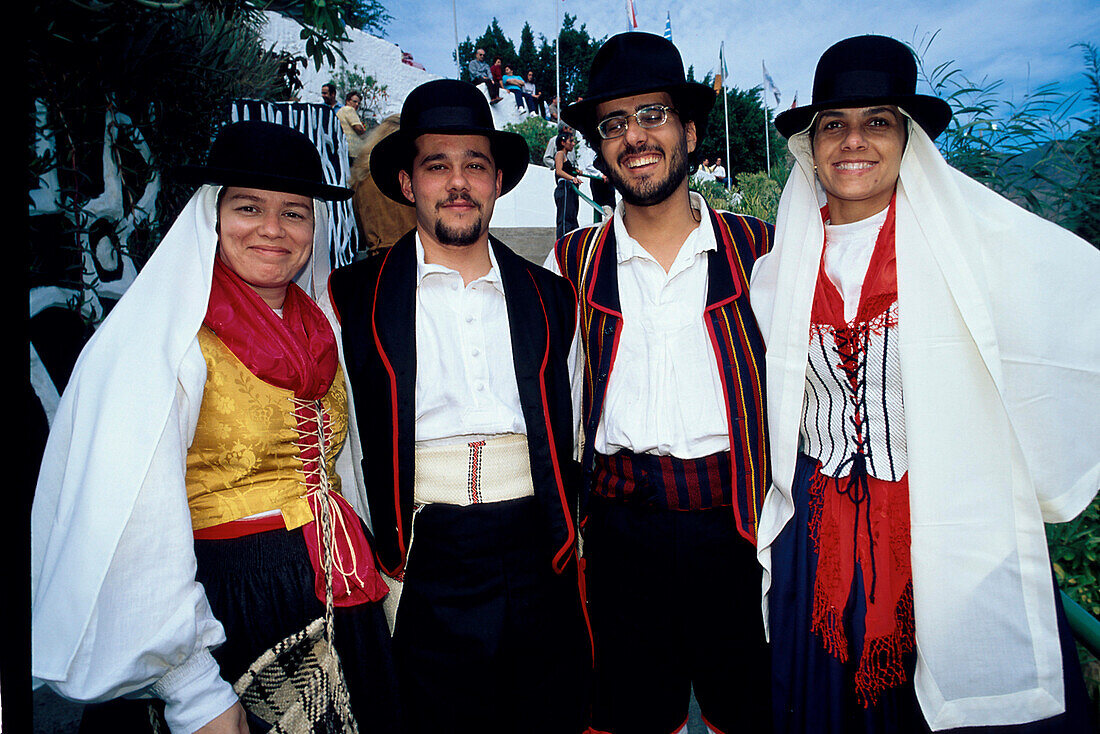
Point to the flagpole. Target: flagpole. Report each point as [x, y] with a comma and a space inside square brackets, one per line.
[764, 101]
[725, 108]
[557, 61]
[458, 62]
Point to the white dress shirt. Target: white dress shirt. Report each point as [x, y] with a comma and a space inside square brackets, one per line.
[664, 395]
[848, 252]
[465, 378]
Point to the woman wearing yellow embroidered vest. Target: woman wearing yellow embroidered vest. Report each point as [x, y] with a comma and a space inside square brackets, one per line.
[175, 532]
[933, 360]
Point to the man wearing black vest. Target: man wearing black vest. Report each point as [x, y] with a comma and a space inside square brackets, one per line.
[674, 453]
[456, 350]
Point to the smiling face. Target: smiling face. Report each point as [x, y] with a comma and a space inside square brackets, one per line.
[857, 153]
[265, 237]
[646, 165]
[454, 184]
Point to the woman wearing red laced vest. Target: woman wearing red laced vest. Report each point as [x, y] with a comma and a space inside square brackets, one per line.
[933, 353]
[174, 527]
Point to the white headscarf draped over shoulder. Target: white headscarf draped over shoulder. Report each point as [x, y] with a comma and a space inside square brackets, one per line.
[999, 327]
[115, 604]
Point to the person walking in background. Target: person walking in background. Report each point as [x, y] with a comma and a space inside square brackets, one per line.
[566, 200]
[355, 132]
[457, 352]
[933, 363]
[673, 424]
[481, 74]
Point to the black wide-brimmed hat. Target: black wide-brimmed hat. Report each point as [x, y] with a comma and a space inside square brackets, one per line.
[862, 72]
[263, 155]
[446, 107]
[639, 63]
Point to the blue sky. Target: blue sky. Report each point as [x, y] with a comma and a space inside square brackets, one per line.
[1026, 43]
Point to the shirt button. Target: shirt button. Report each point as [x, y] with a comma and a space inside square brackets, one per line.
[475, 352]
[481, 387]
[469, 319]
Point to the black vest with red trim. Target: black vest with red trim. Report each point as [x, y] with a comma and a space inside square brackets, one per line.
[587, 258]
[375, 302]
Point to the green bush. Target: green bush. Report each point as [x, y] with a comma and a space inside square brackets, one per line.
[759, 195]
[537, 132]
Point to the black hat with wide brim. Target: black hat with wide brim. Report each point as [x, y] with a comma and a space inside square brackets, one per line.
[865, 71]
[263, 155]
[639, 63]
[445, 107]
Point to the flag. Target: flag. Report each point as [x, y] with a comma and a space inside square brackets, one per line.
[668, 25]
[794, 102]
[769, 84]
[631, 18]
[720, 80]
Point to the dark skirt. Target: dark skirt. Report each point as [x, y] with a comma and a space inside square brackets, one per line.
[813, 692]
[260, 587]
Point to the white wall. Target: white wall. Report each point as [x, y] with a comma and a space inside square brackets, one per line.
[530, 204]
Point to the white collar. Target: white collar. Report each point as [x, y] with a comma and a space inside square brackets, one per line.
[424, 269]
[700, 240]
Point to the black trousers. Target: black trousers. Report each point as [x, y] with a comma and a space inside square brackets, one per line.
[488, 638]
[674, 600]
[567, 203]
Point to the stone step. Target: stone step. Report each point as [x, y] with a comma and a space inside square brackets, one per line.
[533, 243]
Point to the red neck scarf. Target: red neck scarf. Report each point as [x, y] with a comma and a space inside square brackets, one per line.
[859, 518]
[296, 352]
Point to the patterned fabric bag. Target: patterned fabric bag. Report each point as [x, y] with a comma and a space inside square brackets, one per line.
[298, 685]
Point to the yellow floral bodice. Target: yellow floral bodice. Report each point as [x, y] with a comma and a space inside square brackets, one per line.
[245, 457]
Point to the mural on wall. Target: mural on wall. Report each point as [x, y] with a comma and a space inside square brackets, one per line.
[90, 237]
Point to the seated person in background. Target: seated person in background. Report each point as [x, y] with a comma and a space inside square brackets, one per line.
[719, 171]
[552, 109]
[514, 83]
[496, 70]
[533, 93]
[481, 74]
[352, 125]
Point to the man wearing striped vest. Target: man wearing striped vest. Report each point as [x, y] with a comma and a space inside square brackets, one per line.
[672, 440]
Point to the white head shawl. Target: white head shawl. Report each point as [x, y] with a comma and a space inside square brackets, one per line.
[999, 325]
[111, 416]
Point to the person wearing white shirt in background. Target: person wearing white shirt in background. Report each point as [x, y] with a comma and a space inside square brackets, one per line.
[670, 379]
[457, 351]
[719, 171]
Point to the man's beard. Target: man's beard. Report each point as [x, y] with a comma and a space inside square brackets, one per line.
[455, 236]
[651, 192]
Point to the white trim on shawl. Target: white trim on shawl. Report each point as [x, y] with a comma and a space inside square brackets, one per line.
[115, 606]
[1000, 358]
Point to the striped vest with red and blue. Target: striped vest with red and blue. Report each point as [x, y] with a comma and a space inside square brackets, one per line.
[586, 257]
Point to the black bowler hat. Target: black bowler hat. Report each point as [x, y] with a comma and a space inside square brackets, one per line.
[447, 107]
[263, 155]
[862, 72]
[639, 63]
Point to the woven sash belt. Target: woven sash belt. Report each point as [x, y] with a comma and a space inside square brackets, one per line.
[490, 470]
[664, 481]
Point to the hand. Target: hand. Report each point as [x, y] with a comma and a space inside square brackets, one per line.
[231, 721]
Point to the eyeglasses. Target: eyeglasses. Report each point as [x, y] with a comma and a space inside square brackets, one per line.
[648, 117]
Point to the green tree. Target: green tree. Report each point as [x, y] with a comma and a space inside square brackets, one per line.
[746, 132]
[368, 15]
